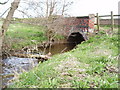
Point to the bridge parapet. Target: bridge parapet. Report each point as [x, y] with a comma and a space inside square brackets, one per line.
[83, 24]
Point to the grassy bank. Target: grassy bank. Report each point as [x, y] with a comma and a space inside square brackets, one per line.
[93, 63]
[20, 35]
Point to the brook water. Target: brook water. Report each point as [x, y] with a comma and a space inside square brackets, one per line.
[14, 65]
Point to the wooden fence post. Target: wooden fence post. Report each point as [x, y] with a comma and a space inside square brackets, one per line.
[112, 21]
[98, 23]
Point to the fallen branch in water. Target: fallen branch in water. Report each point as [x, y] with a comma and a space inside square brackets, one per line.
[37, 56]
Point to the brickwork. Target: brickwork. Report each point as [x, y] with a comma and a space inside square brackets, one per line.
[79, 24]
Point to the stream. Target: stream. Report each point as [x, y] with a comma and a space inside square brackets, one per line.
[15, 65]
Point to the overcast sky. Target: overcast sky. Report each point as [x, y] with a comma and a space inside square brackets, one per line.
[83, 7]
[103, 7]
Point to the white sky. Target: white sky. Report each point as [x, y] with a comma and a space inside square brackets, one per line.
[84, 7]
[103, 7]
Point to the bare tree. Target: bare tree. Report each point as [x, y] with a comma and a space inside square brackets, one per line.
[14, 6]
[57, 6]
[65, 6]
[52, 7]
[32, 8]
[47, 8]
[6, 23]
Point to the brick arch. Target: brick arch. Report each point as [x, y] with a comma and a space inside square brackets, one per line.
[76, 37]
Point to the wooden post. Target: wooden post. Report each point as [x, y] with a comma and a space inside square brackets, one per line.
[112, 21]
[98, 23]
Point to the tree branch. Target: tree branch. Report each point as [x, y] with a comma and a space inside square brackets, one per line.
[4, 2]
[4, 12]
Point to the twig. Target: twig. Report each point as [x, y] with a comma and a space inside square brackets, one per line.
[63, 49]
[5, 12]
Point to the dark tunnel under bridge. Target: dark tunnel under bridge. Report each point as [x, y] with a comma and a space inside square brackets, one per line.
[76, 37]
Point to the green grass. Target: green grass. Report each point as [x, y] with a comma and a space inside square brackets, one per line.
[21, 35]
[108, 27]
[92, 64]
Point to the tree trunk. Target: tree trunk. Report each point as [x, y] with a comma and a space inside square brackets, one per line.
[52, 7]
[3, 30]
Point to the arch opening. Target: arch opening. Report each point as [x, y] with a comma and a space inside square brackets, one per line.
[75, 37]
